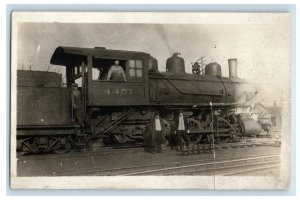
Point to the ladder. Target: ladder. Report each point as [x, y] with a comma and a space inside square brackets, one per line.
[114, 124]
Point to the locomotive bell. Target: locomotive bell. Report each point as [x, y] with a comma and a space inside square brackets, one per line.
[175, 64]
[213, 69]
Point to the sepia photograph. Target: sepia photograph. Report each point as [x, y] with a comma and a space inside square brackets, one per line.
[153, 100]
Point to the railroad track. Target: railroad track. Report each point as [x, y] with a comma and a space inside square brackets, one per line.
[139, 148]
[208, 167]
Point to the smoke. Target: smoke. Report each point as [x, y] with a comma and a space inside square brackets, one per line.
[247, 94]
[161, 31]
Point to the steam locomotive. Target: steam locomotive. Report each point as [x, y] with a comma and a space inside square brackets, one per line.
[119, 112]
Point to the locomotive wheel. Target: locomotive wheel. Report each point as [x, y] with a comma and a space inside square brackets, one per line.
[199, 142]
[224, 124]
[60, 148]
[29, 146]
[194, 124]
[63, 149]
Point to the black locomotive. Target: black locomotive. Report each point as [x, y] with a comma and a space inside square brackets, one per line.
[118, 111]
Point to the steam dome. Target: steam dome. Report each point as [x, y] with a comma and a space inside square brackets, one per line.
[175, 64]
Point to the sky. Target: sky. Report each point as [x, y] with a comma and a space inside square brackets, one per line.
[262, 50]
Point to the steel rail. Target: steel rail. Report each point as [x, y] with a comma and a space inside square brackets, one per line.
[198, 165]
[249, 170]
[162, 167]
[224, 168]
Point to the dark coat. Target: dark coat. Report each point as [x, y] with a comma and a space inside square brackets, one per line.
[153, 137]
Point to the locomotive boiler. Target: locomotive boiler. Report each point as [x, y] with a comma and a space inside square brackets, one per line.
[118, 111]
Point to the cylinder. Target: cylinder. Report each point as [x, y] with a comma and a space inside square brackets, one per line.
[232, 65]
[175, 64]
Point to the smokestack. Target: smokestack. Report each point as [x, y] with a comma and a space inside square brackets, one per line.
[232, 64]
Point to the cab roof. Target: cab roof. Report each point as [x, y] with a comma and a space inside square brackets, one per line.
[68, 56]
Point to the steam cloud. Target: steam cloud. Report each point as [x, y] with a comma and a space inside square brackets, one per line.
[160, 29]
[247, 94]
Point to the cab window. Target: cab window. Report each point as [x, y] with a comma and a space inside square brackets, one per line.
[135, 68]
[101, 66]
[76, 73]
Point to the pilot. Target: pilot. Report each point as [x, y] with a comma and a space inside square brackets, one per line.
[116, 72]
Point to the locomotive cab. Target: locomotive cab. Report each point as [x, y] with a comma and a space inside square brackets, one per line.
[92, 75]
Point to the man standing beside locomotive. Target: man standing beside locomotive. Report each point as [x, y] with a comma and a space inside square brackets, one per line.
[76, 103]
[155, 135]
[181, 133]
[116, 72]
